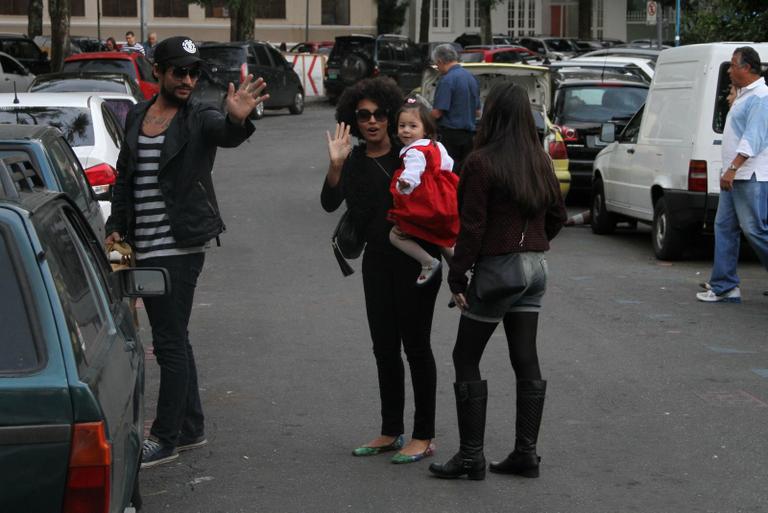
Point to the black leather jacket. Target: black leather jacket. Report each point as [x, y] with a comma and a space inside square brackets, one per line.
[184, 175]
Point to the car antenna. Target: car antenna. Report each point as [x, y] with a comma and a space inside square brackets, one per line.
[15, 95]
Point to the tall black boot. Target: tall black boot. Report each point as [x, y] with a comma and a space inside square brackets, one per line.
[471, 400]
[524, 461]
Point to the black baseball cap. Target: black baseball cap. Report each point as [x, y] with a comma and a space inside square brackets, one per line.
[177, 51]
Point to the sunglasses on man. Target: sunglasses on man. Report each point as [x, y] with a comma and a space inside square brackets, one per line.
[182, 72]
[364, 115]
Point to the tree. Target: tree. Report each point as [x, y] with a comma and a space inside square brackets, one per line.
[390, 16]
[35, 18]
[424, 22]
[242, 17]
[704, 21]
[486, 31]
[59, 11]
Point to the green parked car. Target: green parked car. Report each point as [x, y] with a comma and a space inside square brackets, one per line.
[71, 362]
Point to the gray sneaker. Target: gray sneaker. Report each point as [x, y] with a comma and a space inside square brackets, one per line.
[732, 296]
[154, 453]
[186, 444]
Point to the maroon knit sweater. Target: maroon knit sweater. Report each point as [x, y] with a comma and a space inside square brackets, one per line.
[492, 225]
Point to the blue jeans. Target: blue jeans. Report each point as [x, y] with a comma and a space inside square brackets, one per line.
[742, 209]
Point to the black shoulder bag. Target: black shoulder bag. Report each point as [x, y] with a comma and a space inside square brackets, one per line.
[347, 243]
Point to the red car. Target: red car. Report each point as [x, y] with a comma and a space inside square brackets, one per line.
[503, 54]
[133, 64]
[323, 47]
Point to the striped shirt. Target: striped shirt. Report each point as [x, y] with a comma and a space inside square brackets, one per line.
[152, 233]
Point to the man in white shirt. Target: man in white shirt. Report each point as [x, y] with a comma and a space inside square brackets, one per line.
[131, 45]
[743, 204]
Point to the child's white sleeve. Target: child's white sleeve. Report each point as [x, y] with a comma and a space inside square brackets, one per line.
[414, 164]
[446, 162]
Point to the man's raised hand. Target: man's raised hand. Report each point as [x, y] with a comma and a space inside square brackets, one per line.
[241, 102]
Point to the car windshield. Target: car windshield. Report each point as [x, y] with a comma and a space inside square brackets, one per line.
[223, 56]
[20, 49]
[72, 85]
[600, 104]
[346, 46]
[471, 57]
[560, 45]
[74, 122]
[103, 65]
[17, 346]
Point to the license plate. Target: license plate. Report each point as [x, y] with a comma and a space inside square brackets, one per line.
[333, 74]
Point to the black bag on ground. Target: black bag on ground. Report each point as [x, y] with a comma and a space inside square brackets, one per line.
[347, 243]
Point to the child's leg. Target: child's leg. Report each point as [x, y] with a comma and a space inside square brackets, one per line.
[447, 253]
[410, 247]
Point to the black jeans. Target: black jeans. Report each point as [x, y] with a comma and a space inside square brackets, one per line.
[458, 144]
[178, 404]
[399, 312]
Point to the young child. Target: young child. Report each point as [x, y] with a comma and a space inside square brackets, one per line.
[423, 191]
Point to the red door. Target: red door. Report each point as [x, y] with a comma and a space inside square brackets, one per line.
[556, 28]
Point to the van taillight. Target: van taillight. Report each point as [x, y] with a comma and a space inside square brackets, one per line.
[557, 150]
[243, 72]
[88, 476]
[697, 176]
[101, 177]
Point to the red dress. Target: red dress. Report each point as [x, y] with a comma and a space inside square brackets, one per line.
[430, 212]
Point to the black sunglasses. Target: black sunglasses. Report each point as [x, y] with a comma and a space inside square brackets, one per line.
[365, 115]
[180, 73]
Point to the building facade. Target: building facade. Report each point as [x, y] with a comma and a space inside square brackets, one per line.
[277, 20]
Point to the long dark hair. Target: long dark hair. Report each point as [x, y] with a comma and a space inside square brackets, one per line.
[508, 144]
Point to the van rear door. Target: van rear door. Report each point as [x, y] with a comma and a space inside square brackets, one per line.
[35, 407]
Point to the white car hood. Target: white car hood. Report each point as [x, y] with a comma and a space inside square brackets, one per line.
[534, 79]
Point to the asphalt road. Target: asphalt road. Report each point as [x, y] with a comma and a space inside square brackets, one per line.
[656, 403]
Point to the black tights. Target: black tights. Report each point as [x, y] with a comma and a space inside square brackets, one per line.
[520, 328]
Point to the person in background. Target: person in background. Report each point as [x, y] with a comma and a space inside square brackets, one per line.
[149, 46]
[456, 104]
[131, 45]
[111, 45]
[167, 210]
[510, 207]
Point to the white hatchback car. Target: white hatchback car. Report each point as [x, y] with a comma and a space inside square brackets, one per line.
[639, 66]
[87, 123]
[13, 72]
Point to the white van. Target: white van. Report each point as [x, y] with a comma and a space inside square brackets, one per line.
[664, 168]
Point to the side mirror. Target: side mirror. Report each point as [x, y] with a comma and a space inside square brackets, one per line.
[144, 281]
[608, 132]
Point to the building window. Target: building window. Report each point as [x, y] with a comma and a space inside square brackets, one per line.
[172, 9]
[598, 12]
[471, 13]
[334, 12]
[441, 10]
[77, 8]
[14, 7]
[275, 9]
[217, 9]
[121, 8]
[521, 17]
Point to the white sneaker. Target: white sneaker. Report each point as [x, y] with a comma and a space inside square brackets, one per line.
[732, 296]
[428, 271]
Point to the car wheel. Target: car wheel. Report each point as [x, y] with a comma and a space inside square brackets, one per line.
[258, 112]
[298, 103]
[603, 222]
[668, 241]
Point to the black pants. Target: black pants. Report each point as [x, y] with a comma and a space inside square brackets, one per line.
[178, 404]
[458, 144]
[399, 312]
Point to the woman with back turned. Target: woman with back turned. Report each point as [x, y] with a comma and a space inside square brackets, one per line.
[510, 208]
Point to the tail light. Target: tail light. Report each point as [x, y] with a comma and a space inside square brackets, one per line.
[101, 177]
[569, 134]
[243, 71]
[697, 176]
[376, 71]
[88, 478]
[557, 150]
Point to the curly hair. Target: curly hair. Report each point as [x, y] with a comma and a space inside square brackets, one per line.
[383, 91]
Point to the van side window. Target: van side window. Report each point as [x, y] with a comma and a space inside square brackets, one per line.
[67, 173]
[632, 130]
[721, 98]
[262, 56]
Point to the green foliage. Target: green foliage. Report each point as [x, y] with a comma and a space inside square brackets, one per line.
[705, 21]
[391, 16]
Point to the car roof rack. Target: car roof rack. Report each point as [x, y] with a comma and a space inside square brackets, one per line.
[17, 174]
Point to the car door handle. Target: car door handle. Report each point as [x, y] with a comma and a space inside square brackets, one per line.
[630, 150]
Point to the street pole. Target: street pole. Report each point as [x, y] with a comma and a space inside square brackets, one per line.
[143, 30]
[677, 23]
[98, 20]
[306, 21]
[659, 18]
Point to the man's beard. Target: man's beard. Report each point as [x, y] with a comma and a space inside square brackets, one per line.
[172, 98]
